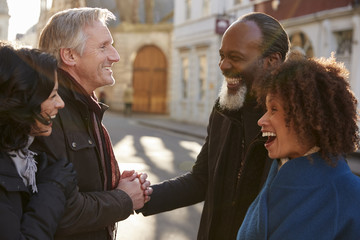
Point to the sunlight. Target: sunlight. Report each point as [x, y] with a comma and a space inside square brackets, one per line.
[161, 157]
[193, 147]
[23, 15]
[125, 152]
[137, 222]
[125, 147]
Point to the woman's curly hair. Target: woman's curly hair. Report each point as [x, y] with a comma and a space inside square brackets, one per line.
[318, 102]
[26, 80]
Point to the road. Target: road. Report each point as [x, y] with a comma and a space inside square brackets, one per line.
[162, 155]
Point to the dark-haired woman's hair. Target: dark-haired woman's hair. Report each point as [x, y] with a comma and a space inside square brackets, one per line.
[26, 80]
[274, 37]
[318, 102]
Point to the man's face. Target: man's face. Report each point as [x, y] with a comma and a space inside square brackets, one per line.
[240, 55]
[93, 68]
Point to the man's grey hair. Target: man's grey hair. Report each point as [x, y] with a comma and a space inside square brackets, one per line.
[65, 29]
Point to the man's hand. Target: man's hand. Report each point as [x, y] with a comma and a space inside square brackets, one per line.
[130, 184]
[145, 186]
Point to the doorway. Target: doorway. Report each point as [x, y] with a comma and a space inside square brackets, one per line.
[149, 81]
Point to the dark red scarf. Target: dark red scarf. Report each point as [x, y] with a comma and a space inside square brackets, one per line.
[114, 177]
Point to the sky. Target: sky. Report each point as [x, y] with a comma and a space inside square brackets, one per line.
[23, 15]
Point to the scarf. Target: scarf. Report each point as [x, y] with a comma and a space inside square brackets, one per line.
[105, 147]
[26, 165]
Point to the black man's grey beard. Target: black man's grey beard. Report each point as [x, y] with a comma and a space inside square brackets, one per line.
[231, 101]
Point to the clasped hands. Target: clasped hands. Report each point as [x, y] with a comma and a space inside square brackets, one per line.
[136, 186]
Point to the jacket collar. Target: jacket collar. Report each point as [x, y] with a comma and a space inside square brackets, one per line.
[305, 172]
[73, 90]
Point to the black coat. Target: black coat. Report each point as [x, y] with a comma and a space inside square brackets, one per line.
[228, 174]
[25, 215]
[93, 209]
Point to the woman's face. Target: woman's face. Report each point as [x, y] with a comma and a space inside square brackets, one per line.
[282, 140]
[49, 109]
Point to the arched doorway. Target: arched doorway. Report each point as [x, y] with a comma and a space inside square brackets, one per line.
[300, 41]
[149, 81]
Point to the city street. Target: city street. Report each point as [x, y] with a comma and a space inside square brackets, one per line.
[162, 155]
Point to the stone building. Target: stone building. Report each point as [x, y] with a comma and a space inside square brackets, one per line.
[196, 78]
[143, 40]
[321, 27]
[316, 27]
[4, 20]
[142, 36]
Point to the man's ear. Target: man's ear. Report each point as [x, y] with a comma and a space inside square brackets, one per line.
[68, 56]
[273, 60]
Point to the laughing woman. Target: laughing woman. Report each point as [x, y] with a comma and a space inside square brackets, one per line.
[310, 123]
[32, 197]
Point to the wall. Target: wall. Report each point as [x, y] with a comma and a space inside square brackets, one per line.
[128, 39]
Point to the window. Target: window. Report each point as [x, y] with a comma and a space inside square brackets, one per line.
[184, 76]
[188, 10]
[300, 42]
[344, 46]
[344, 42]
[206, 7]
[203, 69]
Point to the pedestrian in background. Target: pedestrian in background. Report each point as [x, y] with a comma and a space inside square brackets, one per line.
[33, 188]
[232, 164]
[102, 97]
[128, 99]
[82, 43]
[310, 124]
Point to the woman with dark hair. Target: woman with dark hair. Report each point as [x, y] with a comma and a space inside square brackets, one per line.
[310, 125]
[32, 196]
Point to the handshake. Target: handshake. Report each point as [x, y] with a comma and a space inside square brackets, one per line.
[62, 174]
[136, 186]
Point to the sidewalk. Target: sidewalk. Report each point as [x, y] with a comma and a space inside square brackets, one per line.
[166, 123]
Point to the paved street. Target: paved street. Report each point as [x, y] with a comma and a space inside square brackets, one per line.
[163, 155]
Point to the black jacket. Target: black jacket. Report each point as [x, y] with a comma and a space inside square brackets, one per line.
[93, 209]
[25, 215]
[228, 174]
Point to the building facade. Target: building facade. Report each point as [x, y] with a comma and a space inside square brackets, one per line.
[316, 27]
[322, 27]
[142, 37]
[196, 77]
[4, 20]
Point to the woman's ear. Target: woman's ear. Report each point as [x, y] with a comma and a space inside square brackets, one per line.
[68, 56]
[273, 60]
